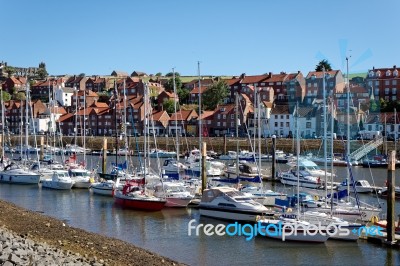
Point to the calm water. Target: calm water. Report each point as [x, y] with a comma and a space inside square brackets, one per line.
[165, 232]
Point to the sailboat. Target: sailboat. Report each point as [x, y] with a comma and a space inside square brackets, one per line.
[134, 194]
[297, 227]
[13, 173]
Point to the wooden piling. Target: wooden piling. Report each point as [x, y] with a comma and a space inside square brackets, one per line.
[391, 197]
[104, 160]
[41, 148]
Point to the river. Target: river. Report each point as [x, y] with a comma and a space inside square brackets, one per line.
[166, 232]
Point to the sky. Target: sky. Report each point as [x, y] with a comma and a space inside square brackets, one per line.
[96, 37]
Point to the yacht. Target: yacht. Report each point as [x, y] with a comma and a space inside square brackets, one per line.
[80, 176]
[305, 179]
[60, 180]
[175, 193]
[362, 186]
[230, 204]
[15, 174]
[247, 172]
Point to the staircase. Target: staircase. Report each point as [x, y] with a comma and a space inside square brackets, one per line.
[365, 149]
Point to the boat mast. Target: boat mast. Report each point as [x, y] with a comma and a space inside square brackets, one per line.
[298, 159]
[332, 125]
[176, 120]
[237, 133]
[325, 126]
[200, 124]
[125, 126]
[116, 124]
[259, 130]
[76, 115]
[395, 130]
[84, 127]
[348, 127]
[2, 125]
[26, 119]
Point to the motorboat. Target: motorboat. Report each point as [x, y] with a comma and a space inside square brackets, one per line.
[80, 176]
[60, 180]
[15, 174]
[266, 197]
[230, 204]
[305, 179]
[309, 166]
[362, 186]
[158, 153]
[134, 196]
[247, 172]
[175, 193]
[105, 188]
[384, 192]
[173, 169]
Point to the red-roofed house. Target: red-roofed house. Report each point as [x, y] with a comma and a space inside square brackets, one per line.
[14, 82]
[165, 96]
[182, 122]
[384, 83]
[194, 93]
[314, 84]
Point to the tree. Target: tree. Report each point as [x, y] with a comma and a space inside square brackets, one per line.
[169, 106]
[19, 96]
[42, 72]
[323, 64]
[9, 70]
[183, 95]
[215, 94]
[169, 86]
[82, 75]
[159, 74]
[171, 74]
[5, 96]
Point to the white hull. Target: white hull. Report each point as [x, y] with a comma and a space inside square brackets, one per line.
[292, 182]
[352, 214]
[48, 183]
[20, 178]
[226, 215]
[103, 188]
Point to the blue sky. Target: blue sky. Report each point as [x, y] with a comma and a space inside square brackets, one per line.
[227, 37]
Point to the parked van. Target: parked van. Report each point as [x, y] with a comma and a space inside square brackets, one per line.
[368, 135]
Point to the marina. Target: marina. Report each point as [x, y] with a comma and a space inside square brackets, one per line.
[166, 232]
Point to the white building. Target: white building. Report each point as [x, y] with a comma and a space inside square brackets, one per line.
[63, 95]
[281, 121]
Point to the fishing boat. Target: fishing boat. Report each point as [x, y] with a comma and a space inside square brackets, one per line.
[230, 204]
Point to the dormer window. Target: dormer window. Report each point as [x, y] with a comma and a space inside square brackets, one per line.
[313, 76]
[378, 73]
[222, 109]
[388, 73]
[395, 73]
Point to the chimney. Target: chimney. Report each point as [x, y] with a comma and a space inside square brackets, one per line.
[298, 71]
[394, 67]
[269, 74]
[243, 75]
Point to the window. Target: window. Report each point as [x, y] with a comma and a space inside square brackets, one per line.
[281, 124]
[287, 124]
[376, 92]
[100, 123]
[218, 124]
[308, 125]
[271, 83]
[276, 124]
[395, 73]
[281, 116]
[394, 98]
[219, 116]
[371, 74]
[309, 85]
[386, 91]
[262, 84]
[387, 82]
[223, 116]
[232, 116]
[278, 83]
[376, 82]
[378, 73]
[394, 82]
[276, 116]
[388, 73]
[224, 124]
[394, 91]
[287, 116]
[315, 84]
[232, 124]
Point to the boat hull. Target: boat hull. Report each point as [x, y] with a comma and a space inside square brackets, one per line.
[20, 179]
[229, 214]
[178, 202]
[145, 204]
[103, 189]
[57, 185]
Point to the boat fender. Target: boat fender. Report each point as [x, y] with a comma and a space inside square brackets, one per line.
[374, 219]
[258, 217]
[316, 197]
[318, 180]
[289, 210]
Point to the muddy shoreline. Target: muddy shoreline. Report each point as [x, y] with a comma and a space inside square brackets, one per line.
[90, 246]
